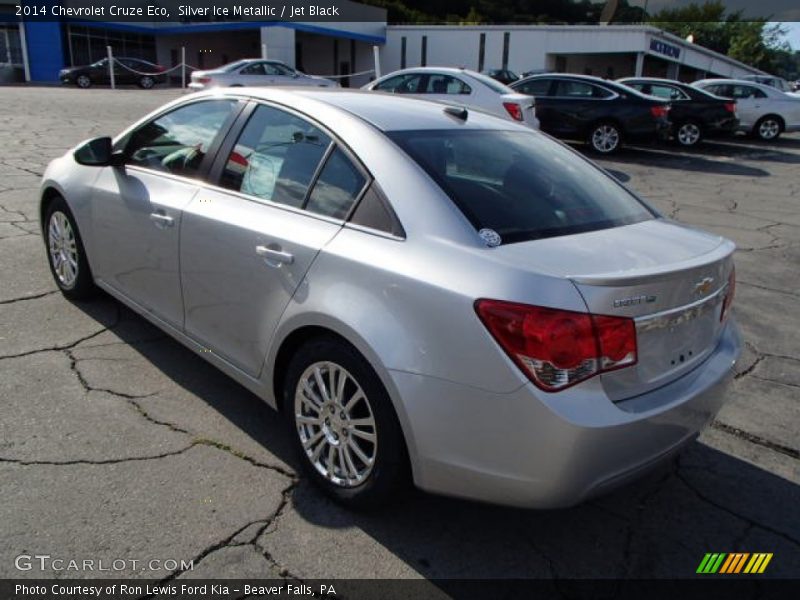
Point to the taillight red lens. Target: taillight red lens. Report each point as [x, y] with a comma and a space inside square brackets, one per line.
[204, 80]
[659, 111]
[730, 107]
[729, 293]
[559, 348]
[514, 110]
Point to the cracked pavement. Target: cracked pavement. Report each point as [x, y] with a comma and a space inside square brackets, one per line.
[116, 442]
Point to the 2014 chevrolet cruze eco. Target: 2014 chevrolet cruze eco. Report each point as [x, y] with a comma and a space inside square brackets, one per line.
[424, 291]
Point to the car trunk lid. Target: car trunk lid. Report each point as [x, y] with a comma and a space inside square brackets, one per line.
[670, 279]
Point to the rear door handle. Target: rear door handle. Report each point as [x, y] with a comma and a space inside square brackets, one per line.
[162, 220]
[273, 255]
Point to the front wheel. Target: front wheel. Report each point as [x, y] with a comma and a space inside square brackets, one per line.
[605, 138]
[768, 128]
[146, 82]
[83, 81]
[688, 134]
[343, 425]
[65, 253]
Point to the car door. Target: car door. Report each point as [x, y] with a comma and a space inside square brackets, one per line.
[137, 208]
[280, 74]
[540, 88]
[575, 105]
[750, 103]
[283, 191]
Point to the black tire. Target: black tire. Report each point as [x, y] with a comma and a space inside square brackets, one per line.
[81, 287]
[389, 474]
[83, 81]
[688, 134]
[605, 137]
[146, 82]
[768, 128]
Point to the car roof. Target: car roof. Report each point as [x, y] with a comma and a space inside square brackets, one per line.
[651, 80]
[386, 112]
[762, 86]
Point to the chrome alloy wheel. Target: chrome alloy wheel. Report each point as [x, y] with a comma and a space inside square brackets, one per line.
[336, 424]
[605, 138]
[63, 249]
[769, 129]
[689, 134]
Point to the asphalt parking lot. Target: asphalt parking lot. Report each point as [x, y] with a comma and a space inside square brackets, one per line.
[118, 443]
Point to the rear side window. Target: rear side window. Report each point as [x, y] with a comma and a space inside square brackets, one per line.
[519, 184]
[337, 188]
[668, 92]
[275, 157]
[178, 141]
[579, 89]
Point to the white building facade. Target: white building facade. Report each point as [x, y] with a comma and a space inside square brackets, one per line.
[609, 51]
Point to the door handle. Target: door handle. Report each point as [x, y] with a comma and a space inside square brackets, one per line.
[271, 255]
[162, 220]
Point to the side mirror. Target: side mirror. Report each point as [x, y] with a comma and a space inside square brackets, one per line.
[98, 153]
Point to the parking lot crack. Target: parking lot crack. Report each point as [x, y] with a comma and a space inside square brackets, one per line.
[711, 502]
[25, 298]
[100, 462]
[755, 439]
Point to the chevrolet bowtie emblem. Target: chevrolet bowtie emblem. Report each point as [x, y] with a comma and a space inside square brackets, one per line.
[703, 286]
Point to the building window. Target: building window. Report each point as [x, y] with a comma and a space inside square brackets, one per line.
[506, 44]
[10, 49]
[88, 44]
[482, 52]
[424, 61]
[403, 52]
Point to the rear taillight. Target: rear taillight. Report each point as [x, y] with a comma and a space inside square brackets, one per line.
[730, 107]
[204, 80]
[559, 348]
[514, 110]
[160, 68]
[729, 293]
[659, 112]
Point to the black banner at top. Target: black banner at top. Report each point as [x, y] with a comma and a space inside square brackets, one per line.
[191, 11]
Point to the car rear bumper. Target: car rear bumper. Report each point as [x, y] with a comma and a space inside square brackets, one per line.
[539, 450]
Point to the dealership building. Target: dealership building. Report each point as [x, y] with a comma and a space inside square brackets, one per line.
[36, 51]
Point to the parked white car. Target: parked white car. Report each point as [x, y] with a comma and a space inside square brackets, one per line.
[255, 72]
[460, 87]
[763, 111]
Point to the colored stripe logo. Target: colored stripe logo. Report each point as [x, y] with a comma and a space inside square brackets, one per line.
[734, 563]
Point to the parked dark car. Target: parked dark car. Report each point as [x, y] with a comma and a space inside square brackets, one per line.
[695, 113]
[502, 75]
[601, 112]
[127, 71]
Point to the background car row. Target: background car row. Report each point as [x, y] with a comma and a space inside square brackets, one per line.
[605, 114]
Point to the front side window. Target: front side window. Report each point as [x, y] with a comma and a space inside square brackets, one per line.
[534, 87]
[580, 90]
[178, 141]
[401, 84]
[741, 92]
[519, 184]
[278, 69]
[275, 157]
[444, 84]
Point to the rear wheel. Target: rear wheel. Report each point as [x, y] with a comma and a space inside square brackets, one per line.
[65, 253]
[605, 137]
[343, 425]
[768, 128]
[83, 81]
[688, 134]
[146, 82]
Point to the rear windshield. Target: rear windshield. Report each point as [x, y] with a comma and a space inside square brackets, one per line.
[521, 185]
[492, 84]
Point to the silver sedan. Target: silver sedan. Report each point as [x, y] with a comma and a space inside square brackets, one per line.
[427, 293]
[255, 72]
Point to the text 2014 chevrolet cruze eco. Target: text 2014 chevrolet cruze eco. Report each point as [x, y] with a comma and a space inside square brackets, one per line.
[427, 293]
